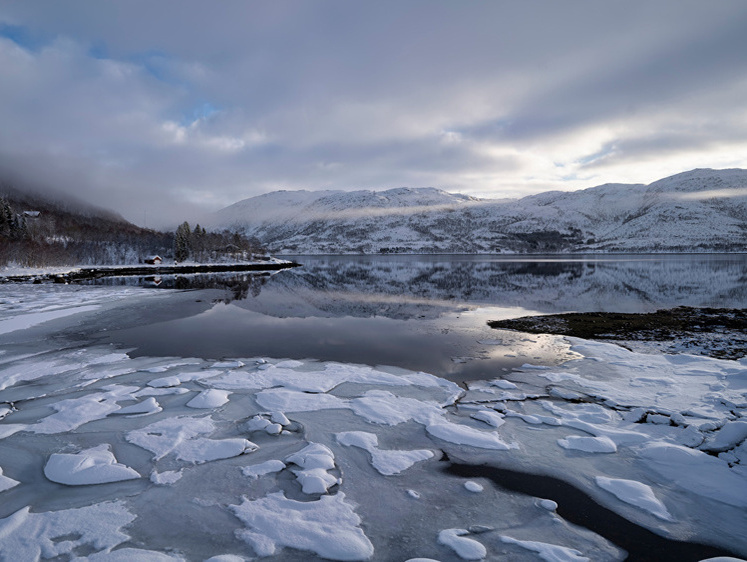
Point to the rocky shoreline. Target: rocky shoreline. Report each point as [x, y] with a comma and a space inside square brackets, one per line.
[714, 332]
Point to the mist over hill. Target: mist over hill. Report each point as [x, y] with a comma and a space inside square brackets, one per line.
[41, 227]
[700, 210]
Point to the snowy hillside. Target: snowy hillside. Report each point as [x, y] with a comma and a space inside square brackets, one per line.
[700, 210]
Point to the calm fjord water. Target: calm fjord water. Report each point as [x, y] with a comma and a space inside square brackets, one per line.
[423, 312]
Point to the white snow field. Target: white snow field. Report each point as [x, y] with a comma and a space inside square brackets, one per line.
[108, 457]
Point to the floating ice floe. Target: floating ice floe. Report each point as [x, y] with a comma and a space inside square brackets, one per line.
[474, 487]
[548, 552]
[6, 483]
[697, 472]
[588, 444]
[387, 462]
[328, 527]
[466, 549]
[635, 493]
[176, 380]
[146, 407]
[209, 398]
[272, 424]
[465, 435]
[165, 478]
[131, 555]
[74, 412]
[490, 417]
[314, 461]
[228, 364]
[90, 466]
[182, 436]
[29, 320]
[693, 461]
[97, 528]
[267, 467]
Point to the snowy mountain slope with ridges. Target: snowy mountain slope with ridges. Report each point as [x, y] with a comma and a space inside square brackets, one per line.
[700, 210]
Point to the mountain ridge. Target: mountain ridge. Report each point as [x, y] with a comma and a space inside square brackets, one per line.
[698, 210]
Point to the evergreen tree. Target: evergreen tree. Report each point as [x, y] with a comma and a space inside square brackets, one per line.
[182, 242]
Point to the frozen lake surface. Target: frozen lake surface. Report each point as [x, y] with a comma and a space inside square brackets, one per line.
[316, 413]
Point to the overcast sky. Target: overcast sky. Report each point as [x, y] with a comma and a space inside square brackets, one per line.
[159, 109]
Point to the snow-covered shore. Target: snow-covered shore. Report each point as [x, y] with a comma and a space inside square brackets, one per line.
[73, 273]
[105, 456]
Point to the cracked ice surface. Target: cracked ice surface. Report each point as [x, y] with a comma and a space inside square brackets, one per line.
[345, 462]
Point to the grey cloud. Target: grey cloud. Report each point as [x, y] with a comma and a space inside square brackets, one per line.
[188, 104]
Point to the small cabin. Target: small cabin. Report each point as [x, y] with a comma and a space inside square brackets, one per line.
[32, 214]
[153, 260]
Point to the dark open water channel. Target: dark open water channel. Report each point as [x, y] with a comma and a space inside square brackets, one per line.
[424, 313]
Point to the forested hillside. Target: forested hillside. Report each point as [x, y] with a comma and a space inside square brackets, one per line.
[38, 230]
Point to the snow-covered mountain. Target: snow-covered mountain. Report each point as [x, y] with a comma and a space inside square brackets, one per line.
[700, 210]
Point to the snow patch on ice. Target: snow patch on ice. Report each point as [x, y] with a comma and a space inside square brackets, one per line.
[267, 467]
[588, 444]
[548, 552]
[464, 435]
[146, 407]
[165, 478]
[90, 466]
[490, 417]
[472, 486]
[6, 483]
[209, 398]
[314, 461]
[466, 549]
[635, 493]
[181, 435]
[387, 462]
[26, 535]
[696, 472]
[328, 527]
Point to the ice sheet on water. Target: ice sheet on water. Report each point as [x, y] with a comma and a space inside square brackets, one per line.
[411, 413]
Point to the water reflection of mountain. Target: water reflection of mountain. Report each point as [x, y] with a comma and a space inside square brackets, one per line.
[427, 286]
[403, 287]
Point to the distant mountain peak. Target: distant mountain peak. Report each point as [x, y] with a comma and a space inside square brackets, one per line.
[683, 212]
